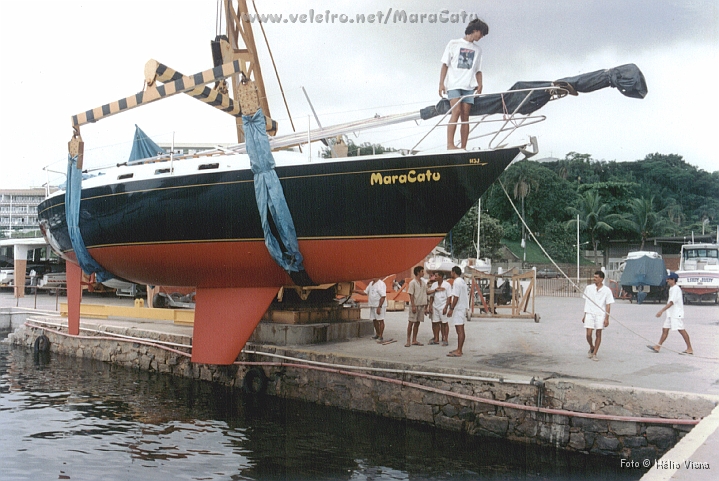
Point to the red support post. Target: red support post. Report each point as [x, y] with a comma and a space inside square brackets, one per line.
[73, 273]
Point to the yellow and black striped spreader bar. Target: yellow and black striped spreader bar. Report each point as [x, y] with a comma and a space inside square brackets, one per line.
[152, 93]
[212, 97]
[205, 94]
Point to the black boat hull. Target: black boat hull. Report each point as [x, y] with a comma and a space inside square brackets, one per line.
[354, 219]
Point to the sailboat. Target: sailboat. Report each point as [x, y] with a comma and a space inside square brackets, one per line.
[194, 220]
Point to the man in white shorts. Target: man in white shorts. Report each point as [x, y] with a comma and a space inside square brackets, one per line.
[458, 307]
[598, 301]
[440, 291]
[418, 305]
[675, 315]
[376, 293]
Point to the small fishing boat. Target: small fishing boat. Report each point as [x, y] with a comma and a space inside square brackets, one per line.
[699, 272]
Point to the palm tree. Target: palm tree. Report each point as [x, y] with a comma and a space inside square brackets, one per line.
[594, 217]
[642, 219]
[522, 182]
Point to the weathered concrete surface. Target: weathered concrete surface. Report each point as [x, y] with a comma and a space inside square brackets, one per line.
[693, 458]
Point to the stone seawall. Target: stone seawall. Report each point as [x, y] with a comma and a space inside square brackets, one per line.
[441, 400]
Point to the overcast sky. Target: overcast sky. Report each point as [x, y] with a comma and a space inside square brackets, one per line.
[62, 57]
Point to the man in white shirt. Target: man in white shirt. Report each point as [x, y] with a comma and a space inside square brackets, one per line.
[458, 307]
[440, 291]
[597, 304]
[461, 75]
[376, 293]
[675, 315]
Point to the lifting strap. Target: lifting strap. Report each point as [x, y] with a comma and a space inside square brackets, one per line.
[277, 224]
[73, 194]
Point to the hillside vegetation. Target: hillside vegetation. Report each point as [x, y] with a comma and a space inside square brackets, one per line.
[660, 195]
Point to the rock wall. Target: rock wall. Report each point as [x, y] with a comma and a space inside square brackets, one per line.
[364, 391]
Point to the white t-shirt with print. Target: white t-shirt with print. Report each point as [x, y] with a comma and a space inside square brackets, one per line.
[464, 60]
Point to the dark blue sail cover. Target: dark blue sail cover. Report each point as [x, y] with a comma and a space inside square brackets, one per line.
[274, 212]
[628, 79]
[73, 195]
[143, 147]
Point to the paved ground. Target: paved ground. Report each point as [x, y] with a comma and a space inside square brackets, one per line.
[557, 345]
[521, 348]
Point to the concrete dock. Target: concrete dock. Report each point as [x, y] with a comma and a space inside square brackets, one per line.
[554, 347]
[520, 349]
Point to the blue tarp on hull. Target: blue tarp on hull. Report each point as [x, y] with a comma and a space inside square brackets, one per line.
[73, 197]
[277, 223]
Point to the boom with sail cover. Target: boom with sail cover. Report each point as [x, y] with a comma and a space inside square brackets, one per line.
[628, 79]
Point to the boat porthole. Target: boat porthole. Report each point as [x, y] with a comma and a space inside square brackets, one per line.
[42, 344]
[255, 381]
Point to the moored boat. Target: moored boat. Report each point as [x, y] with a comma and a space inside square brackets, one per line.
[699, 272]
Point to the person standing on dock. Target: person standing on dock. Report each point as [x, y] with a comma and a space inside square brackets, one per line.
[597, 304]
[675, 315]
[458, 307]
[440, 291]
[461, 75]
[376, 293]
[418, 305]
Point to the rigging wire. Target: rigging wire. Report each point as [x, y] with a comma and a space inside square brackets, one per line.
[218, 18]
[272, 59]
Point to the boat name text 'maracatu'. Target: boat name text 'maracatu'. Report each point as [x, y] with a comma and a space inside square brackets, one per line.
[411, 177]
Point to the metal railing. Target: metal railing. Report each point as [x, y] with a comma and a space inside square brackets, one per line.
[510, 121]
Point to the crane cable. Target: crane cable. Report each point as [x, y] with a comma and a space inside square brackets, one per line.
[274, 66]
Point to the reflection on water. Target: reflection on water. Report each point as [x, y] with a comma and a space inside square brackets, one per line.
[68, 418]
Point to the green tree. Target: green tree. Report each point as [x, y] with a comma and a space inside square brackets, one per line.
[642, 219]
[594, 218]
[464, 235]
[558, 241]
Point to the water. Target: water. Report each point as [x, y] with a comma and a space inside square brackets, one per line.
[69, 418]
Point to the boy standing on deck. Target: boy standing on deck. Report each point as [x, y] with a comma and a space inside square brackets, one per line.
[418, 305]
[598, 301]
[461, 75]
[675, 315]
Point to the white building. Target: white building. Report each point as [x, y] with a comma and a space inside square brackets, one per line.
[18, 209]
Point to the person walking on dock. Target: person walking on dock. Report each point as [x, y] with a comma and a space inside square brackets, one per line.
[597, 304]
[460, 76]
[458, 307]
[376, 293]
[675, 315]
[418, 305]
[440, 291]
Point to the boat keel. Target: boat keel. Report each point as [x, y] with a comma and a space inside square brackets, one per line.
[225, 318]
[73, 274]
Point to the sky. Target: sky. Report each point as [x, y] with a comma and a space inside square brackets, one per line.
[63, 57]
